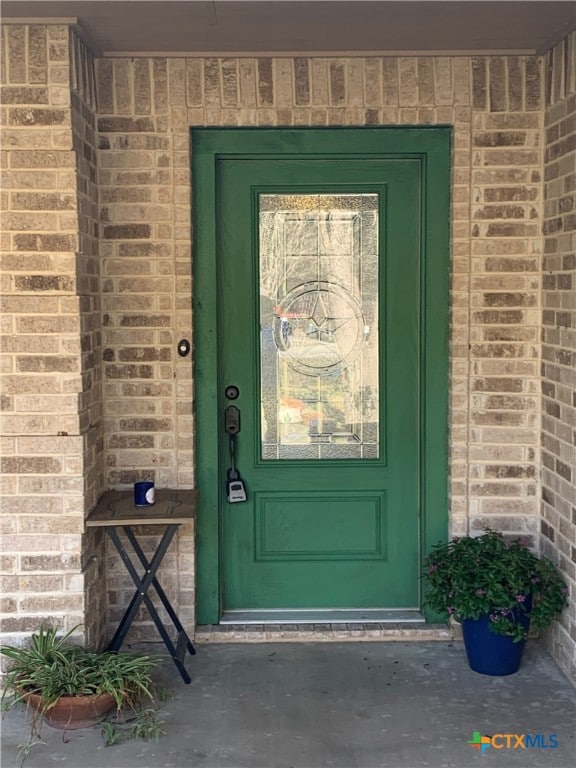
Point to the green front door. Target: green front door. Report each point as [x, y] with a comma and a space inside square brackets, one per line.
[320, 250]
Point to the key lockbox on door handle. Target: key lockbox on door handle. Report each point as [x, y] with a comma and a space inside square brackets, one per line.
[235, 488]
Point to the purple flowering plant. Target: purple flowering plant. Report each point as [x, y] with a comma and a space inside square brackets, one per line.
[491, 575]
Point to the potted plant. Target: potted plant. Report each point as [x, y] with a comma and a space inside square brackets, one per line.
[70, 687]
[499, 590]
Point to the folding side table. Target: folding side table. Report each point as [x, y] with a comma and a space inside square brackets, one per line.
[116, 509]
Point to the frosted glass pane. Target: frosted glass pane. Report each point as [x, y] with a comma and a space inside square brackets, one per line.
[318, 269]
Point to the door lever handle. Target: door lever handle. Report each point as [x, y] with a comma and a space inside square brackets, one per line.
[232, 420]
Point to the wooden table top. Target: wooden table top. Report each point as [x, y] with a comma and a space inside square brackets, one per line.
[118, 508]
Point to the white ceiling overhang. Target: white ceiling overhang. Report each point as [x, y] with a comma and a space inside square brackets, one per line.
[307, 27]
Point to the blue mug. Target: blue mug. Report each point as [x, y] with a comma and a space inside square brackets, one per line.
[144, 493]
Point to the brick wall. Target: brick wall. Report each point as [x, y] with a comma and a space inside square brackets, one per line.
[51, 402]
[146, 107]
[504, 284]
[146, 300]
[558, 523]
[90, 403]
[142, 426]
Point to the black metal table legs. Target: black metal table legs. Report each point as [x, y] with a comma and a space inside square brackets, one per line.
[183, 642]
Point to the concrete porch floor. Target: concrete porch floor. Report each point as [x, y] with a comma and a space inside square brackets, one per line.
[332, 705]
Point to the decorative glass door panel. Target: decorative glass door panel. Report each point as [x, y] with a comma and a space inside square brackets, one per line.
[319, 361]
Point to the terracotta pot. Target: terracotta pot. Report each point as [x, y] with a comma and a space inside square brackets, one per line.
[73, 712]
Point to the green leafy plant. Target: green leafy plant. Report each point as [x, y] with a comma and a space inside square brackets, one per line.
[52, 667]
[489, 575]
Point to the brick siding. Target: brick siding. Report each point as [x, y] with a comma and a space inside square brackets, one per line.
[52, 452]
[43, 451]
[558, 520]
[142, 427]
[145, 110]
[90, 403]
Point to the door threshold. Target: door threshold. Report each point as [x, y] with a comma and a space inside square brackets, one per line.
[323, 616]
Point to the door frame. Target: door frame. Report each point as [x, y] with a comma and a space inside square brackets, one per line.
[432, 146]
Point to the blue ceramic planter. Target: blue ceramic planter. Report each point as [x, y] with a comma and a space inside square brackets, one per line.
[491, 654]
